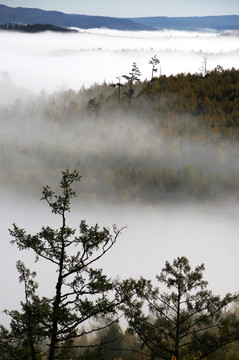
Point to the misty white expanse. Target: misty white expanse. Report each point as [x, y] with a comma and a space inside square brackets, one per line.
[53, 61]
[33, 148]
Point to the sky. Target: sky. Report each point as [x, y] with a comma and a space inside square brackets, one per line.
[134, 8]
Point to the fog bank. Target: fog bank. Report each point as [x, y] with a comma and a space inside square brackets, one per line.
[34, 150]
[53, 61]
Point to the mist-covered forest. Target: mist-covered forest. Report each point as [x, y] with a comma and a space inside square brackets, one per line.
[156, 155]
[177, 141]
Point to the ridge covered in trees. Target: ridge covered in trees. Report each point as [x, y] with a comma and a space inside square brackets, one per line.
[29, 16]
[191, 23]
[24, 15]
[170, 139]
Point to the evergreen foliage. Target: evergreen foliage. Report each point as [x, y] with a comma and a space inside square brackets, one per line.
[34, 28]
[185, 323]
[81, 291]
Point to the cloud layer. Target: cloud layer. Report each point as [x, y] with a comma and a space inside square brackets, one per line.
[51, 61]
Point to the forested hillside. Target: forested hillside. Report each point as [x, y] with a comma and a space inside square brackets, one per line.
[219, 23]
[34, 28]
[24, 15]
[177, 139]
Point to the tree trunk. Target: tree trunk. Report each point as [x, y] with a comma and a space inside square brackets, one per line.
[177, 325]
[57, 300]
[55, 319]
[130, 92]
[119, 94]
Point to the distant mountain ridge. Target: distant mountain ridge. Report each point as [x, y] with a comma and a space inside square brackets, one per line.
[22, 15]
[220, 23]
[37, 16]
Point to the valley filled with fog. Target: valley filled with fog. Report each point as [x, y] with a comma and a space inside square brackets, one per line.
[52, 61]
[46, 82]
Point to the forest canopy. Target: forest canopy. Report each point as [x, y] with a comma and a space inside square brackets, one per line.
[34, 28]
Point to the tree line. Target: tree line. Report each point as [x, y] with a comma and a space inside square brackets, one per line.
[133, 77]
[183, 322]
[34, 28]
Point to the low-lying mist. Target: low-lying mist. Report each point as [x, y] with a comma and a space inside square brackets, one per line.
[34, 150]
[52, 61]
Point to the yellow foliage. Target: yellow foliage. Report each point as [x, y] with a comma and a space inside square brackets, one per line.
[199, 353]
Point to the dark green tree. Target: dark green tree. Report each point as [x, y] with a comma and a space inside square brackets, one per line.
[118, 85]
[154, 61]
[110, 339]
[94, 106]
[12, 347]
[107, 344]
[81, 291]
[133, 77]
[188, 321]
[28, 325]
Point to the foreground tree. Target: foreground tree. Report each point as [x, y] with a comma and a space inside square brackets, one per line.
[188, 321]
[81, 291]
[13, 347]
[133, 77]
[28, 325]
